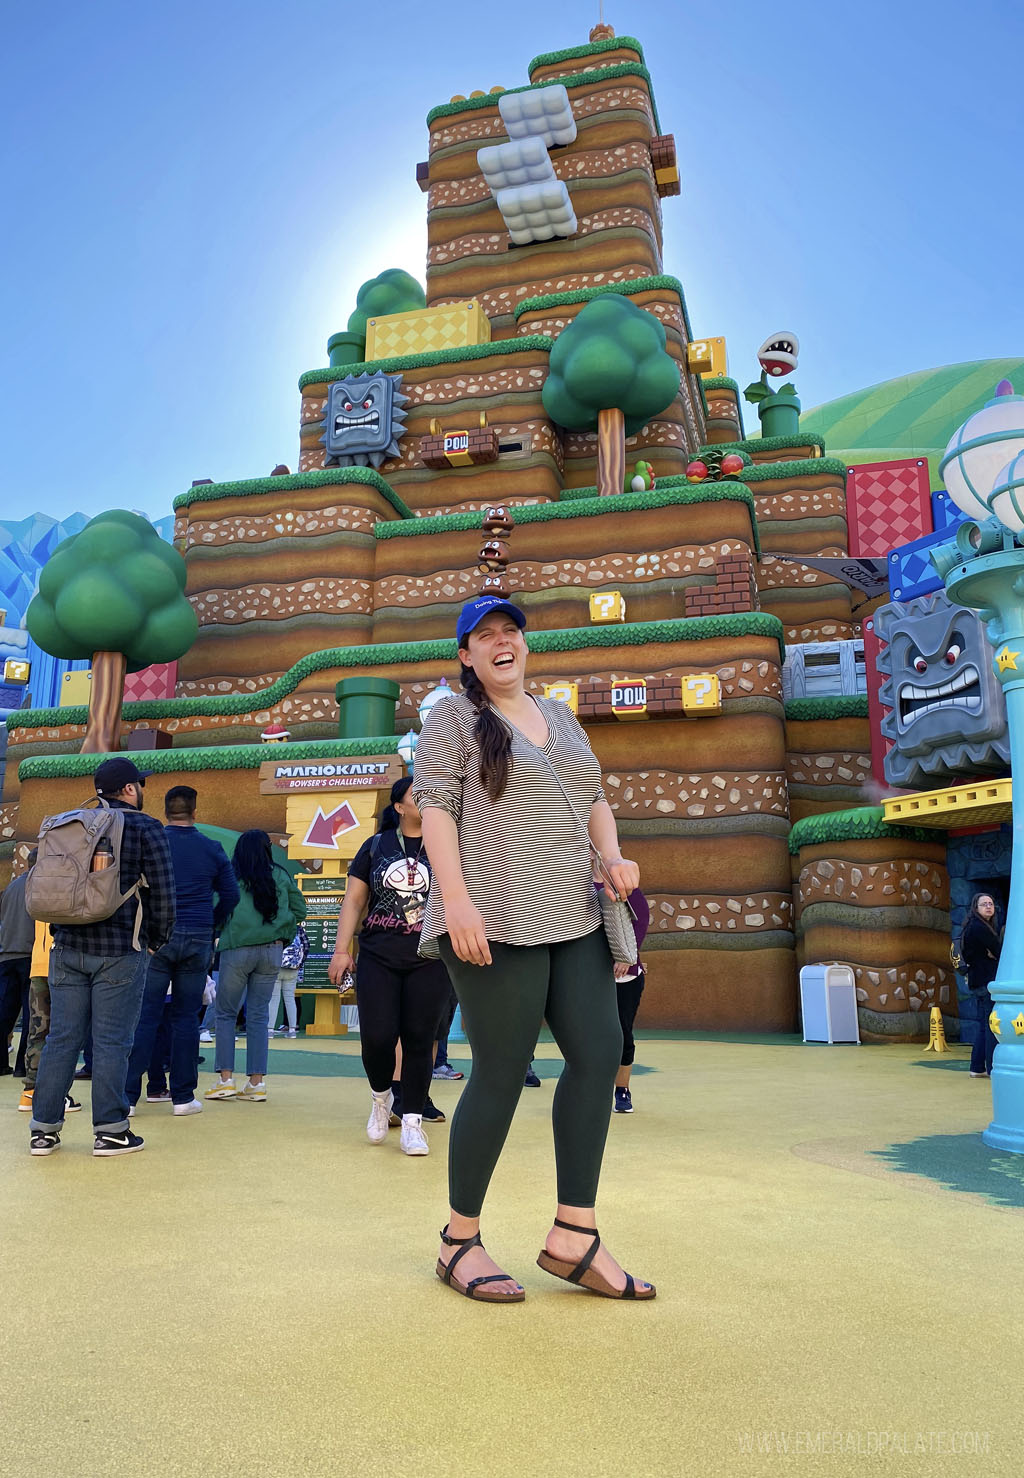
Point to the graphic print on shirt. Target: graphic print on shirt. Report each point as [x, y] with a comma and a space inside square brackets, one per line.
[399, 889]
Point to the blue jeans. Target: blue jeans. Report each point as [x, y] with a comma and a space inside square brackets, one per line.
[104, 992]
[251, 972]
[181, 964]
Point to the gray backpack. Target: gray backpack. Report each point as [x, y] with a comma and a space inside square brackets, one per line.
[62, 888]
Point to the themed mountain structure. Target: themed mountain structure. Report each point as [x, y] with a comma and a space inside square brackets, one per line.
[535, 414]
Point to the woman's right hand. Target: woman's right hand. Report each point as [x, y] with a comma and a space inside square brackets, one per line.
[341, 964]
[467, 931]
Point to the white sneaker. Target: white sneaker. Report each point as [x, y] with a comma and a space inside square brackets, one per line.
[206, 1036]
[195, 1107]
[380, 1113]
[222, 1089]
[293, 1035]
[412, 1138]
[131, 1111]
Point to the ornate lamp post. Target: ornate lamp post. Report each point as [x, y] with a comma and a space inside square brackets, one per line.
[983, 569]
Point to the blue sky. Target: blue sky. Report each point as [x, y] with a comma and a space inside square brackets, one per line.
[196, 191]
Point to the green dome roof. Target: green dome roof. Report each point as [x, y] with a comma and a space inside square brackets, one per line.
[911, 416]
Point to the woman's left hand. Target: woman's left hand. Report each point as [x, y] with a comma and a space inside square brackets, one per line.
[624, 874]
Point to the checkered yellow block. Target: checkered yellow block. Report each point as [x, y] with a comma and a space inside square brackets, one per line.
[427, 330]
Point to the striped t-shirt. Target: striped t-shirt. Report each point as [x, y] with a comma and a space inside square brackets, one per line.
[525, 857]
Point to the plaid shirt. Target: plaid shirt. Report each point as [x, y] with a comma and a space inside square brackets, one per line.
[144, 851]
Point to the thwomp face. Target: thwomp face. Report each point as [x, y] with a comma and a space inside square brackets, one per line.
[365, 418]
[948, 716]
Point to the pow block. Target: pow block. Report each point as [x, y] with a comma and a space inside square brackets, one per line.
[568, 693]
[607, 606]
[459, 448]
[734, 590]
[702, 694]
[427, 330]
[629, 699]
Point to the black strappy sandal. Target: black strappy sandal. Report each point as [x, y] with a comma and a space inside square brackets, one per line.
[583, 1274]
[469, 1290]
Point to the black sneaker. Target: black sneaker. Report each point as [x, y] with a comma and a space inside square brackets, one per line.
[531, 1080]
[43, 1143]
[118, 1144]
[70, 1106]
[432, 1114]
[161, 1095]
[623, 1101]
[83, 1075]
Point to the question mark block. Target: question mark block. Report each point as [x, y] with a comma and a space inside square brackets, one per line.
[568, 693]
[702, 694]
[607, 605]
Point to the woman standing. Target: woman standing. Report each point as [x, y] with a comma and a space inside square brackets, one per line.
[293, 957]
[514, 915]
[980, 944]
[400, 997]
[251, 943]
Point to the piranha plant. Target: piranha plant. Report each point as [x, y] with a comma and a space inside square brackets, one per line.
[115, 593]
[609, 373]
[777, 410]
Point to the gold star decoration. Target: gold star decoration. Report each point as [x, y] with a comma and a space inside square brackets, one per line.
[1018, 1024]
[993, 1023]
[1007, 660]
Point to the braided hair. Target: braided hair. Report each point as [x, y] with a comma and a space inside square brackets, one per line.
[491, 734]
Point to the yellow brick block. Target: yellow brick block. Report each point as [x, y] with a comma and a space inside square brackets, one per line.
[75, 688]
[707, 357]
[17, 670]
[427, 330]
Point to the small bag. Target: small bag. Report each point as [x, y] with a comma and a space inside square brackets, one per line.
[617, 915]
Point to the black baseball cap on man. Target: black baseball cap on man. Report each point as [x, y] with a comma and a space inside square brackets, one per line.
[113, 775]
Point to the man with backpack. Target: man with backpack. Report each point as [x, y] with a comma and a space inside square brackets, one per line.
[104, 880]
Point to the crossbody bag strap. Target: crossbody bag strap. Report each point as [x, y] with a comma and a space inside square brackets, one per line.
[595, 850]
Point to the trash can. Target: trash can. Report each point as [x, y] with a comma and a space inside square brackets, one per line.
[828, 1004]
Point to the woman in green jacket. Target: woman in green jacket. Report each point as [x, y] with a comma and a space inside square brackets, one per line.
[266, 916]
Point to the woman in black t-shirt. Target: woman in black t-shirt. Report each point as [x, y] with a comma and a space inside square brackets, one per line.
[400, 996]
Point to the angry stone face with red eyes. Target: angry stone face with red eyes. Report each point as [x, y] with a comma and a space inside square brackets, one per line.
[947, 716]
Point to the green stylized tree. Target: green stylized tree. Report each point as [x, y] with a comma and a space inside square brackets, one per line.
[393, 291]
[113, 593]
[609, 373]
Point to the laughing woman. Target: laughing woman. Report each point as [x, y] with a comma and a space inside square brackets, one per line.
[513, 914]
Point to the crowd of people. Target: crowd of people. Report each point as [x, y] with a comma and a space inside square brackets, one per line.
[479, 890]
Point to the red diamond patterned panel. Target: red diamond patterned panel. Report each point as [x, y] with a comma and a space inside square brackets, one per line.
[152, 682]
[887, 504]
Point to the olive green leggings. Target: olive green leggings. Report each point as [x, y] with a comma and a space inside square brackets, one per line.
[572, 987]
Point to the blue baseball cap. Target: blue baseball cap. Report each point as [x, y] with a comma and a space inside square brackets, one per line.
[474, 611]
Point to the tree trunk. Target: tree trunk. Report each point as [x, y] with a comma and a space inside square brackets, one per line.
[103, 731]
[611, 452]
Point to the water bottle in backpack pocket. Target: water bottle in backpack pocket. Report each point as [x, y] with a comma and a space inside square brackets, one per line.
[77, 875]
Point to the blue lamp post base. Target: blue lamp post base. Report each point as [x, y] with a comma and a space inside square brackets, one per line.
[993, 585]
